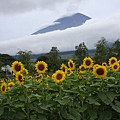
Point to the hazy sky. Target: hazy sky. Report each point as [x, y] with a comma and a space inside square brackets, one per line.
[20, 18]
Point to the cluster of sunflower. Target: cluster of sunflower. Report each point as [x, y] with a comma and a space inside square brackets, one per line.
[65, 70]
[100, 71]
[20, 73]
[18, 70]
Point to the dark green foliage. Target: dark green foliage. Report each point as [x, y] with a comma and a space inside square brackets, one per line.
[24, 57]
[54, 60]
[6, 59]
[42, 58]
[102, 51]
[115, 50]
[80, 53]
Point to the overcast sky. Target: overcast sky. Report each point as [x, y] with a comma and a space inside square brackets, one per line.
[20, 18]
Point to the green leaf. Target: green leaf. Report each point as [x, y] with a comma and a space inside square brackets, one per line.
[62, 101]
[82, 109]
[95, 84]
[33, 117]
[20, 115]
[45, 107]
[1, 110]
[69, 115]
[92, 114]
[116, 106]
[2, 97]
[92, 101]
[104, 114]
[70, 91]
[74, 112]
[41, 117]
[27, 86]
[113, 78]
[107, 97]
[18, 105]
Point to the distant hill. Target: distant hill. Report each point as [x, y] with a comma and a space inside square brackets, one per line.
[63, 23]
[6, 59]
[61, 53]
[35, 56]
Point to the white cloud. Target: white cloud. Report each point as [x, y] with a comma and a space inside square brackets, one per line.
[90, 33]
[19, 6]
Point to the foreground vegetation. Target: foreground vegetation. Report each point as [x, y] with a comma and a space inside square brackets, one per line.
[84, 87]
[88, 92]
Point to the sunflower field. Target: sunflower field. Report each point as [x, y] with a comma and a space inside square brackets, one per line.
[88, 92]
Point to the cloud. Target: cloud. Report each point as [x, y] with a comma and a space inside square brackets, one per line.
[90, 33]
[20, 6]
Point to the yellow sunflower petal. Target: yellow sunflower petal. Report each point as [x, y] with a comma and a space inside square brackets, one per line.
[17, 67]
[71, 64]
[58, 76]
[100, 71]
[41, 66]
[88, 62]
[3, 87]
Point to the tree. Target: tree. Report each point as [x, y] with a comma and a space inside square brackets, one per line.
[42, 58]
[102, 51]
[6, 59]
[116, 49]
[24, 57]
[80, 53]
[54, 60]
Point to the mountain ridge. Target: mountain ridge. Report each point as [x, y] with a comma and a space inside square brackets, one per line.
[65, 22]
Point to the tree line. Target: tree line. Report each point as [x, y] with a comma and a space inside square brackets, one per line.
[103, 51]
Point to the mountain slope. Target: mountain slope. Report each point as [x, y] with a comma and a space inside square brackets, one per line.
[63, 23]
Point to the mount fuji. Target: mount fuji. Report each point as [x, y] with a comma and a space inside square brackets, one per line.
[65, 22]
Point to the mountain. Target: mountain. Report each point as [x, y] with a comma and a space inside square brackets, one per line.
[63, 23]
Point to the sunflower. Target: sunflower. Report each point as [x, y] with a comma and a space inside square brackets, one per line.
[119, 62]
[112, 60]
[100, 71]
[104, 64]
[115, 66]
[69, 72]
[71, 64]
[47, 76]
[17, 67]
[95, 66]
[63, 68]
[30, 77]
[53, 76]
[39, 81]
[41, 66]
[88, 62]
[46, 85]
[19, 78]
[58, 76]
[82, 69]
[10, 85]
[25, 71]
[3, 87]
[40, 76]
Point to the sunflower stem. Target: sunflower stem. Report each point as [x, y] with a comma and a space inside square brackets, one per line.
[26, 103]
[44, 92]
[60, 96]
[60, 91]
